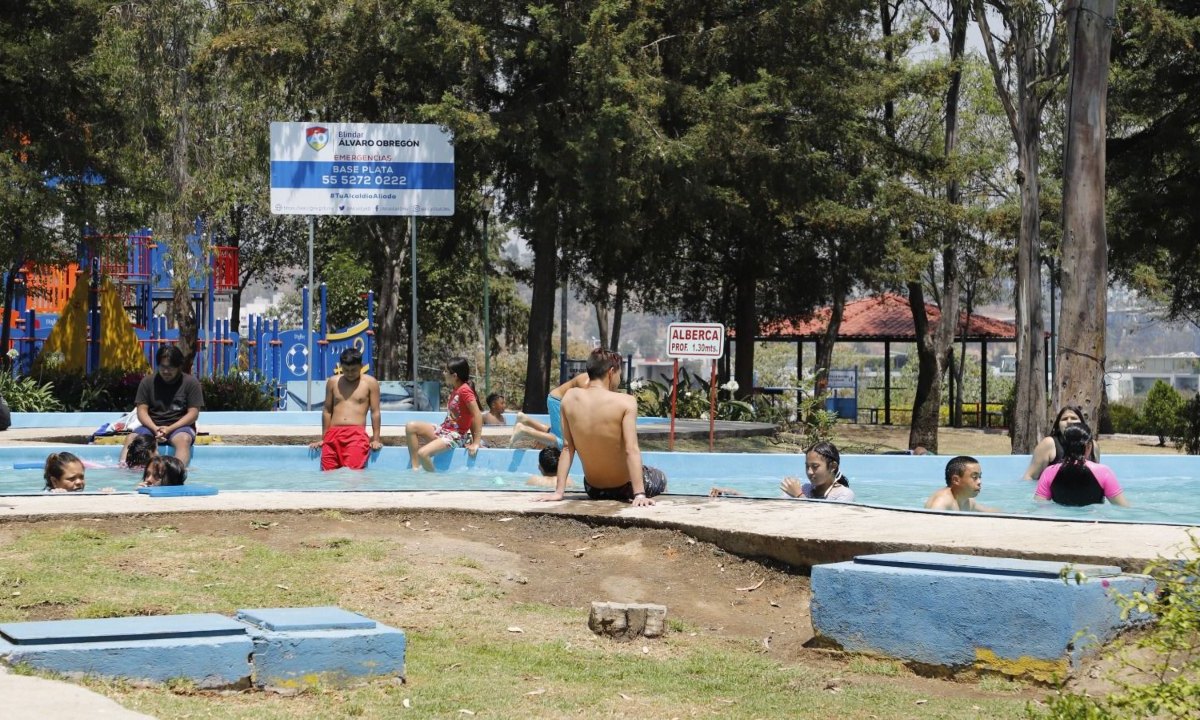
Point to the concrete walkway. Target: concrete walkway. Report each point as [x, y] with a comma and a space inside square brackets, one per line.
[32, 698]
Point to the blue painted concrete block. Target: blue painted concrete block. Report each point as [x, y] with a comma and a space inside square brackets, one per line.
[210, 650]
[1018, 617]
[301, 647]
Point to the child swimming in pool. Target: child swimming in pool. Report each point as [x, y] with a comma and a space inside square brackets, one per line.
[823, 465]
[964, 482]
[548, 465]
[63, 472]
[825, 480]
[140, 451]
[1076, 480]
[164, 470]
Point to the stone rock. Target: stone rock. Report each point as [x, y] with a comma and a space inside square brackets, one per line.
[626, 621]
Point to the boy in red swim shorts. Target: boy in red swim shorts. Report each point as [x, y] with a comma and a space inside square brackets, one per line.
[348, 396]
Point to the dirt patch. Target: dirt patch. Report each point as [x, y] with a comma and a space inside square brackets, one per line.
[556, 561]
[452, 560]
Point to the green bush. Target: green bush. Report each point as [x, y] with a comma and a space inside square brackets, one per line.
[1188, 438]
[101, 391]
[1161, 412]
[693, 401]
[235, 392]
[1166, 654]
[53, 390]
[25, 394]
[1126, 419]
[816, 423]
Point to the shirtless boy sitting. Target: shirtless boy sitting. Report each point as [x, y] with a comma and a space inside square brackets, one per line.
[343, 421]
[601, 425]
[496, 405]
[964, 480]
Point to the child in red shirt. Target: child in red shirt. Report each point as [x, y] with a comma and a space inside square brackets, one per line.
[463, 425]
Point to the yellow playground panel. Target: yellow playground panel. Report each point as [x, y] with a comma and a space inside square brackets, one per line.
[120, 348]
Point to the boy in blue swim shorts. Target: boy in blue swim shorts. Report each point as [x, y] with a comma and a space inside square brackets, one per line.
[542, 434]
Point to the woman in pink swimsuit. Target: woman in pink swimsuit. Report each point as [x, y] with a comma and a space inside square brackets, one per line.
[1077, 480]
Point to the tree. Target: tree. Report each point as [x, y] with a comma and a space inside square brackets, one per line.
[1079, 361]
[441, 43]
[944, 157]
[1154, 153]
[1025, 72]
[618, 159]
[175, 106]
[53, 121]
[1162, 411]
[934, 344]
[788, 212]
[267, 247]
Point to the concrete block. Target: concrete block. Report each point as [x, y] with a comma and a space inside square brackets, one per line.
[625, 621]
[210, 650]
[1017, 617]
[303, 647]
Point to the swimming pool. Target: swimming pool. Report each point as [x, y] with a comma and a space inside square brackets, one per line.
[1162, 488]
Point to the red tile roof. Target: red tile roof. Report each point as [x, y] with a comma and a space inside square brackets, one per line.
[882, 317]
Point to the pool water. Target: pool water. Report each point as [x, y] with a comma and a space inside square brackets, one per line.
[1161, 488]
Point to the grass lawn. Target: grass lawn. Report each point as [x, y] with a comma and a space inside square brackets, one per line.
[495, 615]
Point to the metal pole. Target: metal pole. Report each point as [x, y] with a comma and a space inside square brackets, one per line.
[1052, 355]
[487, 314]
[415, 364]
[562, 334]
[312, 234]
[674, 394]
[712, 405]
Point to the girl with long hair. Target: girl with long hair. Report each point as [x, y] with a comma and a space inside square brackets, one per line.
[823, 466]
[463, 426]
[1076, 480]
[1050, 450]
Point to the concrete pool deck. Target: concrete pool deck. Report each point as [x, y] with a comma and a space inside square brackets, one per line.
[231, 434]
[798, 533]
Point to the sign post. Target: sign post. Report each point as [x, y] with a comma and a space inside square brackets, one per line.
[361, 169]
[695, 341]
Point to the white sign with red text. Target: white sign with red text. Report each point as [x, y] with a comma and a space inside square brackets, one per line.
[693, 341]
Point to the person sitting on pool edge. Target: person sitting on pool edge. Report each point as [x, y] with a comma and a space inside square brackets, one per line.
[163, 470]
[1050, 449]
[463, 424]
[964, 481]
[496, 405]
[168, 403]
[823, 465]
[1076, 480]
[348, 397]
[601, 425]
[541, 433]
[63, 472]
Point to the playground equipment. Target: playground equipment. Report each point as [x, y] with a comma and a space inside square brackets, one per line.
[105, 312]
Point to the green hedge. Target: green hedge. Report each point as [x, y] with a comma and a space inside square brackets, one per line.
[52, 390]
